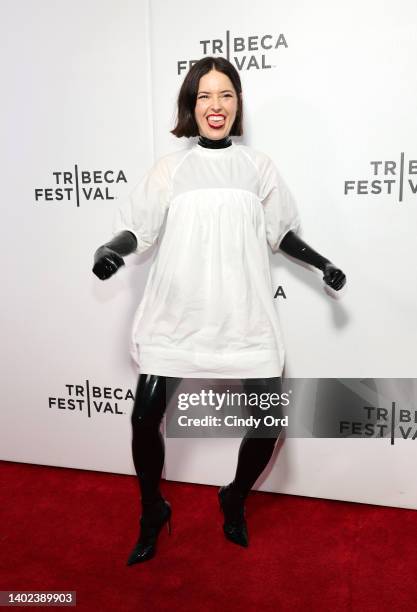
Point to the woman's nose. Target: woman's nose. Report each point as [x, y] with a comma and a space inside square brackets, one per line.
[216, 106]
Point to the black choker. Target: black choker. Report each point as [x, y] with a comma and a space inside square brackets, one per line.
[214, 144]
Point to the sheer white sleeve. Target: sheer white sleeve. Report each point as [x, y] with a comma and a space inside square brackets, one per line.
[281, 213]
[144, 210]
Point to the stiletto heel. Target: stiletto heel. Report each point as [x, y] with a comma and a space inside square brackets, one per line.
[151, 524]
[234, 526]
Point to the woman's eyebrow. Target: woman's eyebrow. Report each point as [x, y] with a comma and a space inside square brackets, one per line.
[224, 91]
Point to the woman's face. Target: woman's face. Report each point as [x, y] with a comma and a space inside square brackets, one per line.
[216, 105]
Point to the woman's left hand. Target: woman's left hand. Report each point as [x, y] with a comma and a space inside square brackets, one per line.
[334, 277]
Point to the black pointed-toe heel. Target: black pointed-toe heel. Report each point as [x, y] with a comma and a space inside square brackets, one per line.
[234, 526]
[151, 524]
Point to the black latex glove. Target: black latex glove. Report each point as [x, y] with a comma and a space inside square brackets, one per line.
[109, 257]
[106, 262]
[296, 247]
[333, 276]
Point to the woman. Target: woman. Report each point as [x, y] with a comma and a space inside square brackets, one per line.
[207, 309]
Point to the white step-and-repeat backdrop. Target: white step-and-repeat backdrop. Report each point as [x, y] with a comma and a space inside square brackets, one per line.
[89, 99]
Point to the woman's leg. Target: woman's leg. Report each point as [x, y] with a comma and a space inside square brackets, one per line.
[148, 447]
[148, 450]
[255, 451]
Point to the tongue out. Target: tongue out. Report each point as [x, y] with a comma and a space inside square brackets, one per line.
[215, 123]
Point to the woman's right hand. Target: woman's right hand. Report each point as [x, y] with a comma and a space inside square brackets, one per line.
[106, 262]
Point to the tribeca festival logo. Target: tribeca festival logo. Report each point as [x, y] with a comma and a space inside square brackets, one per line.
[363, 408]
[91, 399]
[390, 177]
[380, 422]
[78, 185]
[245, 52]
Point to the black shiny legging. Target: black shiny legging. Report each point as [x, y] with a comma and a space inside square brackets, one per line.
[148, 449]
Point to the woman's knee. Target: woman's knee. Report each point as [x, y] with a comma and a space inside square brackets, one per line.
[145, 417]
[149, 405]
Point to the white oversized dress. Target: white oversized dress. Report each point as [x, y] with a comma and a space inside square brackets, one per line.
[208, 310]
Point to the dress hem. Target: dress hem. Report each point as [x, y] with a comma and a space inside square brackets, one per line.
[191, 364]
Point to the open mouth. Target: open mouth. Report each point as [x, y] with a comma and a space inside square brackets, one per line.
[216, 121]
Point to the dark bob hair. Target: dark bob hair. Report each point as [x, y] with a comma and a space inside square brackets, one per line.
[186, 123]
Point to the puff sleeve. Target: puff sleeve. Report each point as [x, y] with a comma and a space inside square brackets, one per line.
[281, 213]
[144, 211]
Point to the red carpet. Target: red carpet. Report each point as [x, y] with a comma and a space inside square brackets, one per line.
[64, 529]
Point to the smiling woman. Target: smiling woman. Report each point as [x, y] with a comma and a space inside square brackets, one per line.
[207, 310]
[211, 87]
[216, 105]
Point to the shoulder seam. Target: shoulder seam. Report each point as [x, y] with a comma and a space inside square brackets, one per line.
[249, 157]
[252, 162]
[186, 154]
[246, 154]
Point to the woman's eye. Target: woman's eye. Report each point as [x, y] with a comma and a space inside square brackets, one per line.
[205, 96]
